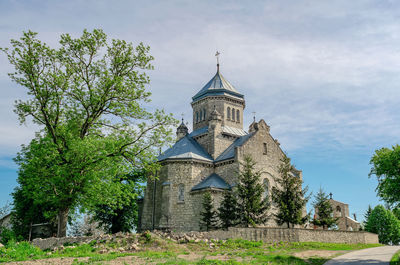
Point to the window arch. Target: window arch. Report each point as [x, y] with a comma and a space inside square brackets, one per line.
[204, 114]
[201, 115]
[197, 116]
[237, 115]
[338, 211]
[233, 114]
[266, 187]
[228, 111]
[181, 192]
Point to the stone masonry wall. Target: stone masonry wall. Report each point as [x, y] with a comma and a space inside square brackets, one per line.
[295, 235]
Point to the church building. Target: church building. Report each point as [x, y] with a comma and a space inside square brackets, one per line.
[208, 159]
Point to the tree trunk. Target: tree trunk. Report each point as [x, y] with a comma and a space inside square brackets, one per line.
[62, 220]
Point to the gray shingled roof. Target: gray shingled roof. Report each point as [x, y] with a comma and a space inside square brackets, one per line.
[230, 151]
[186, 148]
[218, 85]
[212, 181]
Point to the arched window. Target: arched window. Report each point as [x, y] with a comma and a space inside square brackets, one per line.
[338, 211]
[197, 116]
[237, 115]
[233, 114]
[181, 192]
[266, 188]
[228, 111]
[201, 115]
[204, 114]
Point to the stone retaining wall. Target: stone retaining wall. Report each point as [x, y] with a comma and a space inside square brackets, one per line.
[255, 234]
[296, 235]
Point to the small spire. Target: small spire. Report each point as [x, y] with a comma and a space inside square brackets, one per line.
[254, 116]
[330, 195]
[182, 114]
[217, 55]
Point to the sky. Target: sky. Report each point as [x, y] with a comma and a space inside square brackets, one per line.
[323, 74]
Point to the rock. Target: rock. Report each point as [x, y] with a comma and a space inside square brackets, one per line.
[102, 251]
[48, 253]
[121, 249]
[1, 245]
[134, 247]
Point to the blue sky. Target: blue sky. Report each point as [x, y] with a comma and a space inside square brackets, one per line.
[322, 74]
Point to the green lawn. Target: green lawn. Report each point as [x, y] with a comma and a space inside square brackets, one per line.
[395, 259]
[161, 251]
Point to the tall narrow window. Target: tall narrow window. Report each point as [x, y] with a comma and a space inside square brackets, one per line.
[228, 112]
[266, 188]
[197, 116]
[238, 116]
[201, 115]
[181, 193]
[233, 114]
[265, 151]
[204, 114]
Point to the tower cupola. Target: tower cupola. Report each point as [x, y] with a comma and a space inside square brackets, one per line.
[181, 131]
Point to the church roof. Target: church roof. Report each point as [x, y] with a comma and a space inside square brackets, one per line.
[218, 85]
[185, 148]
[225, 129]
[230, 151]
[212, 181]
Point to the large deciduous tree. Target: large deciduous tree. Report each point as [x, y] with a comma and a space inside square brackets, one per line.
[252, 206]
[386, 166]
[289, 196]
[383, 222]
[87, 98]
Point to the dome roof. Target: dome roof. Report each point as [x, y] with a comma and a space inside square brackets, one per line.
[218, 85]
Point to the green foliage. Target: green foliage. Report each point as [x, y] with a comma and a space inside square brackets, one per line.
[86, 97]
[323, 210]
[122, 216]
[290, 197]
[367, 213]
[208, 214]
[396, 212]
[228, 210]
[385, 224]
[26, 211]
[251, 204]
[386, 166]
[395, 259]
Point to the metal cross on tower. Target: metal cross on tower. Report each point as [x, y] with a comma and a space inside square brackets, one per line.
[254, 116]
[217, 55]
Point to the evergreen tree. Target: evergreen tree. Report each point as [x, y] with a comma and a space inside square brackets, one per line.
[323, 210]
[290, 198]
[252, 206]
[208, 215]
[367, 213]
[228, 210]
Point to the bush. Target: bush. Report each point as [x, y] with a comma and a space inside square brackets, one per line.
[385, 224]
[6, 235]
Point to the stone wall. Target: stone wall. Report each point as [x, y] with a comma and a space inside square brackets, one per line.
[296, 235]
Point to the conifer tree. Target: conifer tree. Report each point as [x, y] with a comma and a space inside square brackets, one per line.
[368, 213]
[252, 206]
[228, 210]
[208, 215]
[323, 210]
[290, 198]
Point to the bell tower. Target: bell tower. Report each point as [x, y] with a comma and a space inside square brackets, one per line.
[218, 96]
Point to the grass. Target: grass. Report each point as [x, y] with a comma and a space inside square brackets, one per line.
[395, 259]
[162, 251]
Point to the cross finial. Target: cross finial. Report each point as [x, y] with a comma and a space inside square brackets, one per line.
[182, 114]
[330, 195]
[217, 55]
[254, 116]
